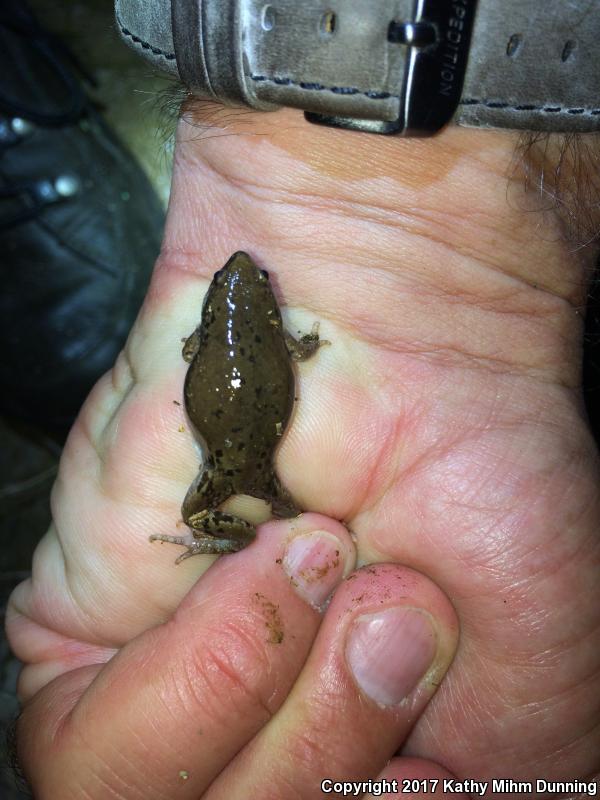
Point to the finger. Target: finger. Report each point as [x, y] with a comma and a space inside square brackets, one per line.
[387, 639]
[174, 706]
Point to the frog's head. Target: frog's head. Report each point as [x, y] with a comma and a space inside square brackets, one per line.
[241, 281]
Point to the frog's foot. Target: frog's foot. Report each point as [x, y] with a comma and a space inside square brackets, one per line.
[204, 545]
[306, 346]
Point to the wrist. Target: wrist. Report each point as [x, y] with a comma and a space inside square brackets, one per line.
[377, 231]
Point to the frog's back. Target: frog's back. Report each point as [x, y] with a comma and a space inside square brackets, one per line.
[239, 389]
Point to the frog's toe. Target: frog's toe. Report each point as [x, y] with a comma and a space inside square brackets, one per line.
[182, 540]
[210, 546]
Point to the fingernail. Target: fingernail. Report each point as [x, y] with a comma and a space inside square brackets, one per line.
[315, 564]
[390, 651]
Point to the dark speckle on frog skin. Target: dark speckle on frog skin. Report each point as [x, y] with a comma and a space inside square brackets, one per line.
[239, 393]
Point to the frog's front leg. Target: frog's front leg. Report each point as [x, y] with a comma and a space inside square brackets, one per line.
[306, 346]
[191, 346]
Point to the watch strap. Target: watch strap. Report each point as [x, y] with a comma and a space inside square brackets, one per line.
[378, 66]
[534, 64]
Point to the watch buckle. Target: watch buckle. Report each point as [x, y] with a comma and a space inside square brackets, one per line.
[437, 42]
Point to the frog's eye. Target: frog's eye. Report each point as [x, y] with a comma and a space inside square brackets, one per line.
[265, 274]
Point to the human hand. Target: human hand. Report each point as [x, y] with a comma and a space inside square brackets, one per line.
[128, 690]
[449, 402]
[241, 692]
[443, 424]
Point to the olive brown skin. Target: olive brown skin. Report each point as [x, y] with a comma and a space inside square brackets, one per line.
[239, 396]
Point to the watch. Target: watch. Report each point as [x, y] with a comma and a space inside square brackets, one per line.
[405, 67]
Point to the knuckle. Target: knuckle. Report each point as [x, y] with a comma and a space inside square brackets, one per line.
[320, 733]
[227, 671]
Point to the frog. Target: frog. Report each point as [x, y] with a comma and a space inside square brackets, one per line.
[239, 394]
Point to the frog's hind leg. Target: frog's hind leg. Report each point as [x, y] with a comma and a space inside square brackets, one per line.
[282, 502]
[210, 531]
[224, 531]
[210, 488]
[213, 531]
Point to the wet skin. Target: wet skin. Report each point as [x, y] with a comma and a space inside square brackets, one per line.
[239, 395]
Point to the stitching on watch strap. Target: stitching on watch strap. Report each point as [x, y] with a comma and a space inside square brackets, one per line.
[145, 45]
[472, 101]
[318, 87]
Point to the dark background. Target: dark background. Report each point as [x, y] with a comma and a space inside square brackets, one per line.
[130, 97]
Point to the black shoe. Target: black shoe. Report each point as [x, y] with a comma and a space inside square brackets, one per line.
[80, 228]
